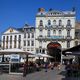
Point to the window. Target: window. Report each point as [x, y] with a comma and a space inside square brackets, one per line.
[3, 38]
[19, 44]
[28, 35]
[59, 32]
[37, 51]
[76, 43]
[41, 23]
[32, 43]
[68, 32]
[7, 38]
[7, 42]
[24, 35]
[15, 39]
[68, 44]
[19, 37]
[24, 43]
[32, 35]
[28, 43]
[48, 33]
[10, 41]
[43, 51]
[60, 22]
[49, 22]
[68, 22]
[54, 31]
[40, 50]
[54, 22]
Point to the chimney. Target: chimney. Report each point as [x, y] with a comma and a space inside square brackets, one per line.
[41, 10]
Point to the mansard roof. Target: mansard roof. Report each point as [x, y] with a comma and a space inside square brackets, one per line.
[55, 13]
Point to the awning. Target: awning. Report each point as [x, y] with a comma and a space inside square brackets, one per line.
[12, 51]
[43, 55]
[72, 51]
[68, 57]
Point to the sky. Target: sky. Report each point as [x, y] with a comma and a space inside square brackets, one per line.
[16, 13]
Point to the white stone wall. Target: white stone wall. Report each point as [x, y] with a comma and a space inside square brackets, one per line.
[64, 30]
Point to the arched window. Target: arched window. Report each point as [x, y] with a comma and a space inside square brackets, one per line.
[54, 31]
[60, 32]
[41, 23]
[68, 22]
[60, 22]
[49, 22]
[68, 32]
[48, 33]
[54, 22]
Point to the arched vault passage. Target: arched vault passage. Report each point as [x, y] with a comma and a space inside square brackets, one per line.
[54, 49]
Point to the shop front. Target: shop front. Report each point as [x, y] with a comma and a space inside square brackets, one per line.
[13, 62]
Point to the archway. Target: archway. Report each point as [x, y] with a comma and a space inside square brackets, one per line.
[54, 49]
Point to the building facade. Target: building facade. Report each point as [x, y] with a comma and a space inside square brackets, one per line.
[50, 26]
[54, 26]
[77, 33]
[21, 38]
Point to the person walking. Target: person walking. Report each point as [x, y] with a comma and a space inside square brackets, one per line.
[46, 66]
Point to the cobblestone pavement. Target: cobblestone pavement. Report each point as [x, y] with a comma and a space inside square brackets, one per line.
[41, 75]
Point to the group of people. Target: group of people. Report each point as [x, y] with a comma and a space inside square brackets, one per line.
[37, 66]
[72, 70]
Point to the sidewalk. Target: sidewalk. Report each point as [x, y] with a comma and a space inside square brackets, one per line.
[42, 75]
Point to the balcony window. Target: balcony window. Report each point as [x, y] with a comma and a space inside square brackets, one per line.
[48, 33]
[68, 32]
[19, 37]
[24, 43]
[54, 31]
[41, 23]
[19, 44]
[32, 43]
[68, 22]
[3, 38]
[37, 51]
[7, 38]
[28, 43]
[54, 22]
[68, 44]
[32, 35]
[24, 35]
[49, 22]
[15, 38]
[60, 32]
[28, 35]
[60, 22]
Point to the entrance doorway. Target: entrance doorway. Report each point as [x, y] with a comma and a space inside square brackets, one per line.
[54, 50]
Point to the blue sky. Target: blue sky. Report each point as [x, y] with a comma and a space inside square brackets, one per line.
[16, 13]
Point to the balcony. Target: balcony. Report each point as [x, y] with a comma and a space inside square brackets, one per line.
[68, 26]
[48, 26]
[50, 37]
[68, 37]
[60, 26]
[54, 26]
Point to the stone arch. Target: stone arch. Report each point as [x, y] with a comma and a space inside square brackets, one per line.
[54, 49]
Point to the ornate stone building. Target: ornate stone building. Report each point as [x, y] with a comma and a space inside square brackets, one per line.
[77, 33]
[54, 26]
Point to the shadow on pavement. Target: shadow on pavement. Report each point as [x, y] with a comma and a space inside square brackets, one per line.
[63, 73]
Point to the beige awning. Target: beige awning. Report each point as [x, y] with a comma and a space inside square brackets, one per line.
[14, 51]
[68, 57]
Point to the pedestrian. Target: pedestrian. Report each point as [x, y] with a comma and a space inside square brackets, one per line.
[46, 66]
